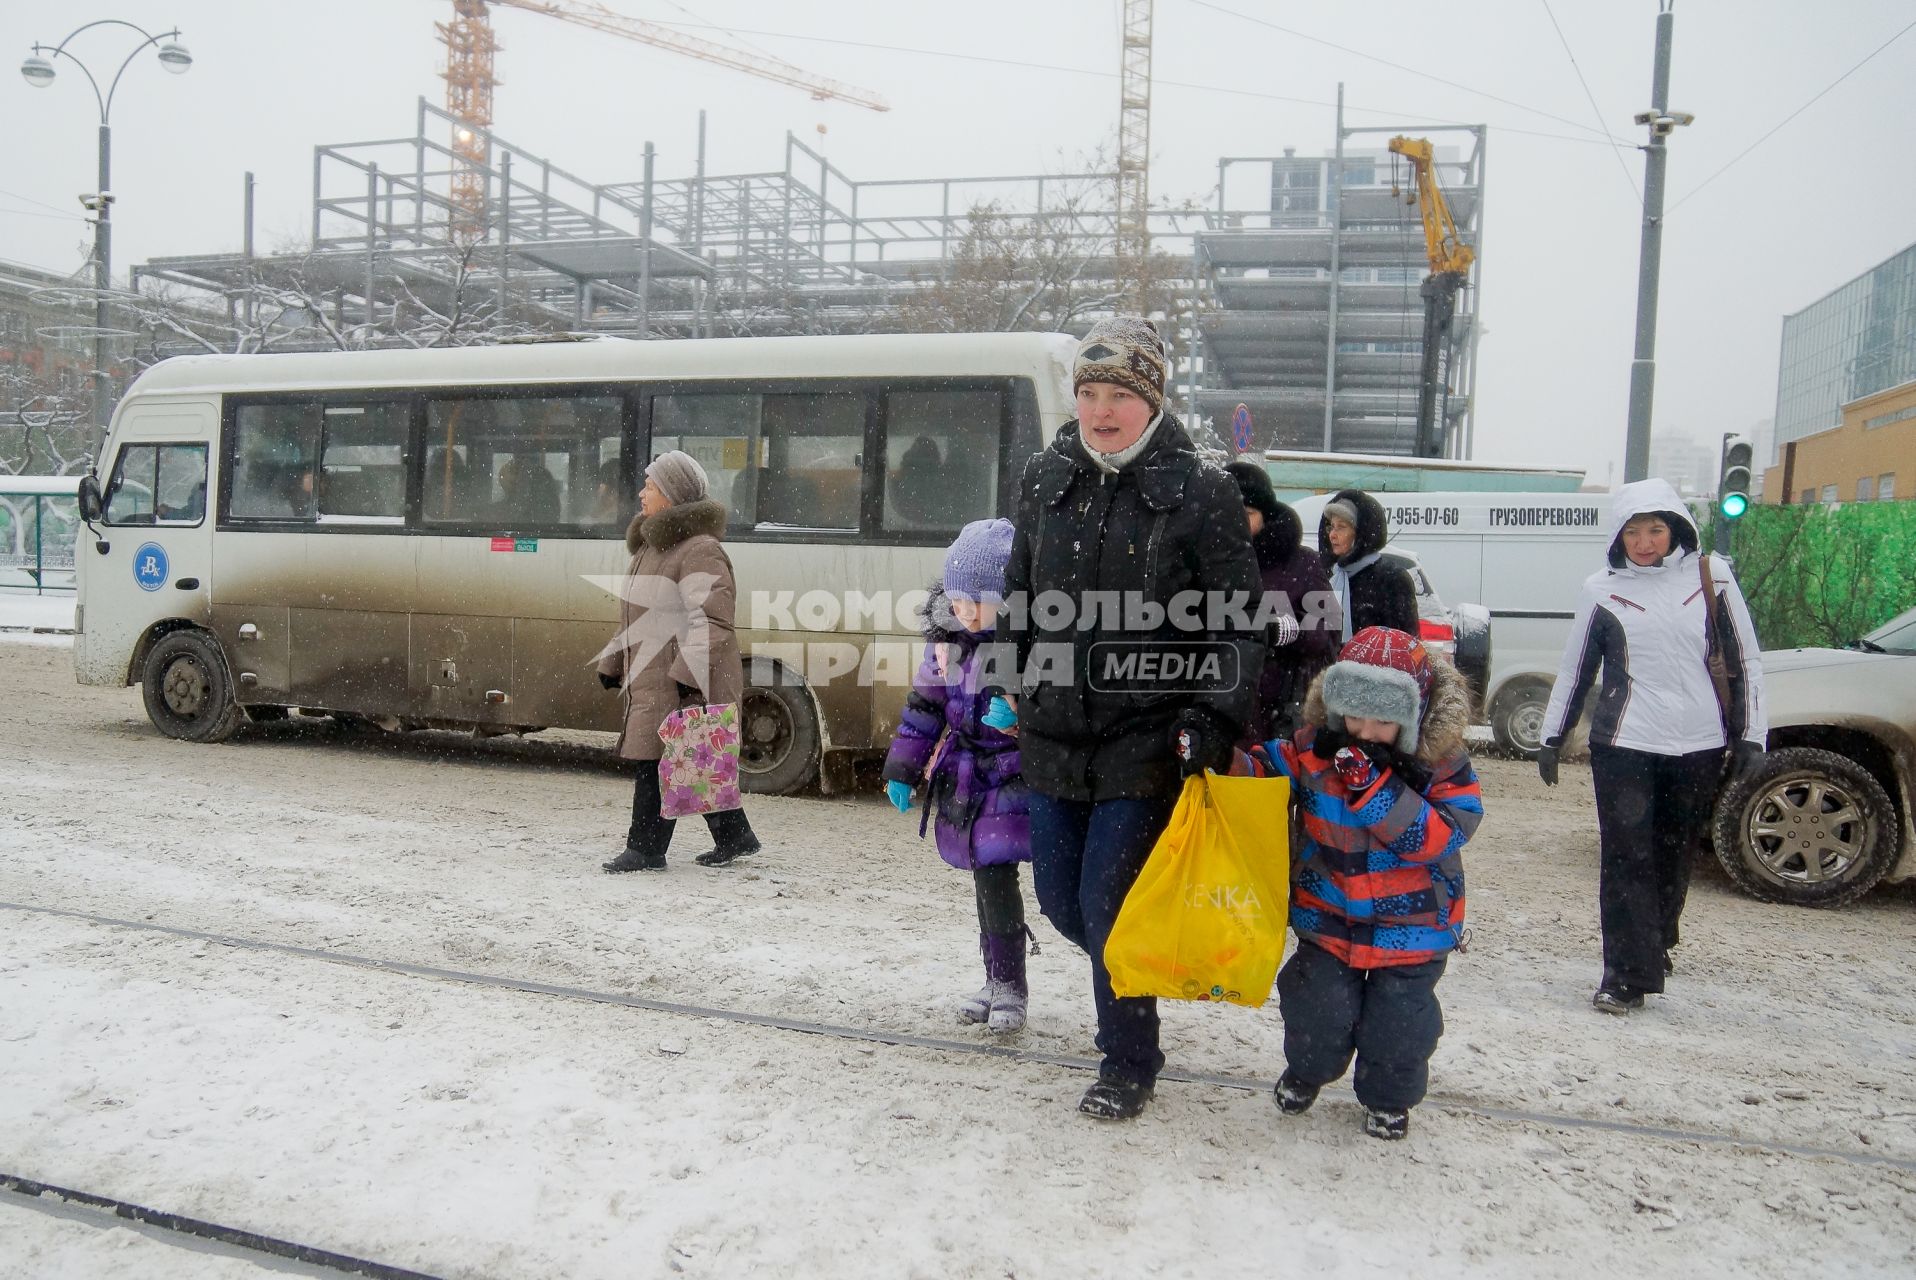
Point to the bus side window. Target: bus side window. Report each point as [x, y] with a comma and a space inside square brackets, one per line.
[180, 489]
[129, 496]
[514, 463]
[941, 458]
[362, 462]
[815, 446]
[720, 429]
[276, 462]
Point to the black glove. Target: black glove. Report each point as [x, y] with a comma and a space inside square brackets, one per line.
[1328, 740]
[1745, 756]
[1547, 765]
[1200, 741]
[608, 682]
[1410, 771]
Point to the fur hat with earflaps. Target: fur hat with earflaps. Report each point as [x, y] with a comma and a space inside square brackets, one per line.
[1382, 674]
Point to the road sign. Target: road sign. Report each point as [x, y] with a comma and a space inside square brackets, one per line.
[1241, 428]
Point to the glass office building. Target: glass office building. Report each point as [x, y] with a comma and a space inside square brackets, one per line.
[1857, 341]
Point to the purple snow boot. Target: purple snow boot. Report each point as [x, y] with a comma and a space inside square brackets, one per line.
[1005, 980]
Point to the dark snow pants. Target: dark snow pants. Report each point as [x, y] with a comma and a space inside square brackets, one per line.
[1389, 1018]
[1084, 858]
[652, 832]
[1651, 809]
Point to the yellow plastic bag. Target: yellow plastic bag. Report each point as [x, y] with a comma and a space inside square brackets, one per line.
[1205, 919]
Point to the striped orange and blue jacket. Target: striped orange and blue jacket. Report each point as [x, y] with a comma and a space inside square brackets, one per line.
[1377, 878]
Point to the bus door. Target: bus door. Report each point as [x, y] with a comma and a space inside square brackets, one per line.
[152, 561]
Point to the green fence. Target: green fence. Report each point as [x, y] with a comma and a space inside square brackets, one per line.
[1814, 576]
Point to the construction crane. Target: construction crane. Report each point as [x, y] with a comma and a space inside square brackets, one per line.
[1450, 260]
[1134, 152]
[470, 46]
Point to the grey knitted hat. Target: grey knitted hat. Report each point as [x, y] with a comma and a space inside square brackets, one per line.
[1127, 352]
[1342, 510]
[679, 477]
[975, 565]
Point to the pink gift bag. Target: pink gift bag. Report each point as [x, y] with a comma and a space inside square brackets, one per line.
[699, 771]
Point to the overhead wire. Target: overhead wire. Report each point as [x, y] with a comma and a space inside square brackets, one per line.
[1614, 148]
[1398, 66]
[1792, 115]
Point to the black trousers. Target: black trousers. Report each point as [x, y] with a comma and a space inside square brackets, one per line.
[1651, 809]
[1001, 904]
[652, 833]
[1389, 1018]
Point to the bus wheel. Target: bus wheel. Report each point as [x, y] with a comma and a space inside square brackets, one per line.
[778, 739]
[188, 693]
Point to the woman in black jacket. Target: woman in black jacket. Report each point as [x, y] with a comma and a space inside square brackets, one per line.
[1118, 519]
[1371, 591]
[1301, 643]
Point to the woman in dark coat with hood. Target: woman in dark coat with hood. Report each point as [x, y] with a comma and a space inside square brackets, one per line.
[1371, 591]
[1302, 647]
[1122, 516]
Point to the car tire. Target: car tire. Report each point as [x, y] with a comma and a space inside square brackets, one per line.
[778, 749]
[188, 692]
[1806, 827]
[1517, 719]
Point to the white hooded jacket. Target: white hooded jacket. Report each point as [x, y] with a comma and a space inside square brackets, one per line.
[1647, 628]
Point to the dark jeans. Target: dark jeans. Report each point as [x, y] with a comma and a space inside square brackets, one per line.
[1084, 857]
[1651, 810]
[652, 833]
[1388, 1017]
[1001, 905]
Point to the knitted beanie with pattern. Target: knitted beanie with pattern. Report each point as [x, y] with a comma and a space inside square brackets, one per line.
[1125, 351]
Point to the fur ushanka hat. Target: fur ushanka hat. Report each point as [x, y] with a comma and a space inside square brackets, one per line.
[1382, 674]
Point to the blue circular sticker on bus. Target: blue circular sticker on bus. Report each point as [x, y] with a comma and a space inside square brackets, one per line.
[149, 566]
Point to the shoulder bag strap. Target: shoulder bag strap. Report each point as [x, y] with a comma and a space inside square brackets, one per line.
[1712, 648]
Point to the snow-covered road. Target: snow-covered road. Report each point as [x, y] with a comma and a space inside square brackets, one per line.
[468, 1130]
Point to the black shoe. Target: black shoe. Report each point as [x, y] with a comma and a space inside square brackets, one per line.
[719, 857]
[1617, 999]
[635, 860]
[1293, 1096]
[1386, 1123]
[1114, 1099]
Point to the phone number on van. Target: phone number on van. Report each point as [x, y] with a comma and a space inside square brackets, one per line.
[1429, 517]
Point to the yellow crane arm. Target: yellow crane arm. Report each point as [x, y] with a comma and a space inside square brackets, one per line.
[600, 18]
[1448, 252]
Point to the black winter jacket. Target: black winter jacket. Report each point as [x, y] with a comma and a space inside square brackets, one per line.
[1382, 594]
[1168, 523]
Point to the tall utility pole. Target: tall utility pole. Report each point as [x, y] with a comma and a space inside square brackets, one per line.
[1134, 153]
[1662, 122]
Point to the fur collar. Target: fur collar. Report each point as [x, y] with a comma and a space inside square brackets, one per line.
[1446, 714]
[675, 524]
[936, 623]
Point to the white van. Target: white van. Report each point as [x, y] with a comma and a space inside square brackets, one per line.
[1524, 557]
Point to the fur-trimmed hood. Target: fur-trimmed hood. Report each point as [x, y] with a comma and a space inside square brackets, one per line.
[675, 524]
[1446, 711]
[937, 625]
[1373, 530]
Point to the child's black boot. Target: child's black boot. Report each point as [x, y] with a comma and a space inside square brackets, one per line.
[1387, 1123]
[1293, 1096]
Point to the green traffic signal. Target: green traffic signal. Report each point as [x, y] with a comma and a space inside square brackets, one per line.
[1733, 505]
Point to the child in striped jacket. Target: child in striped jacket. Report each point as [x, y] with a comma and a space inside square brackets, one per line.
[1385, 798]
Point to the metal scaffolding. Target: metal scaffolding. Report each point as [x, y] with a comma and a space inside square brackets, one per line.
[1246, 287]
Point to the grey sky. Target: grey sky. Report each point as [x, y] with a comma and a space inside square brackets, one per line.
[1827, 197]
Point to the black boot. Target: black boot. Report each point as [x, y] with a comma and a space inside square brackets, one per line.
[720, 856]
[1293, 1096]
[1114, 1099]
[1387, 1123]
[635, 860]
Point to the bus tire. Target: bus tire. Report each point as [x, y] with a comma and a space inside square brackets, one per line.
[778, 739]
[188, 693]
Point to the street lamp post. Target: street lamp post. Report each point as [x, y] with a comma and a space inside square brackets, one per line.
[38, 71]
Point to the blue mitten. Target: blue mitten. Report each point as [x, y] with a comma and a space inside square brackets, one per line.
[899, 794]
[999, 715]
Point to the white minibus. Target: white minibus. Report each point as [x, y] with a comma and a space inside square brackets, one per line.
[431, 539]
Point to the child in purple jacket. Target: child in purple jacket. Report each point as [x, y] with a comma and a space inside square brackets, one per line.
[957, 749]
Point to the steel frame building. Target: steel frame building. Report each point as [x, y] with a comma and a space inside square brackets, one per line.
[807, 248]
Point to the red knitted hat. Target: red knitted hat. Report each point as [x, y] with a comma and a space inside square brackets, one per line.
[1382, 674]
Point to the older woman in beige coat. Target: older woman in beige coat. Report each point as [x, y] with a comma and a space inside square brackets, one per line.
[675, 647]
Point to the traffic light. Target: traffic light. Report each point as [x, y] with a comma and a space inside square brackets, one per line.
[1733, 481]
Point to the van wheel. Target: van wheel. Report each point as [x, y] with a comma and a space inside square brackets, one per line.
[1517, 720]
[778, 739]
[188, 693]
[1806, 827]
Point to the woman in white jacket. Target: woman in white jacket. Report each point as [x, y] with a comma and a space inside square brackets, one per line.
[1660, 726]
